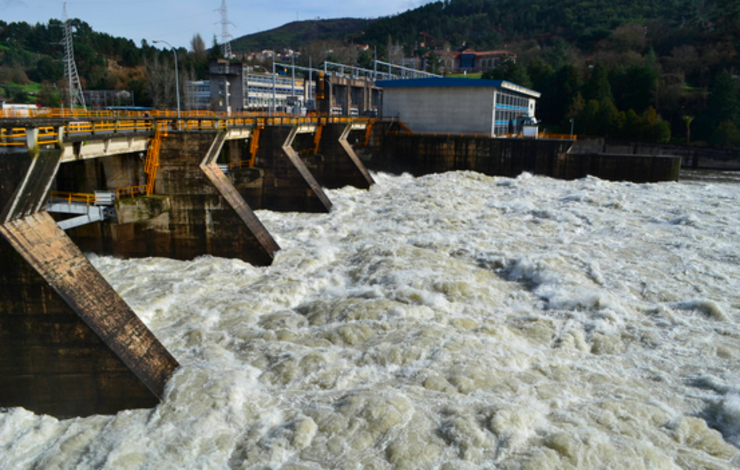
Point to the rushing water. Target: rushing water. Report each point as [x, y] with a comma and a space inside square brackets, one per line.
[453, 321]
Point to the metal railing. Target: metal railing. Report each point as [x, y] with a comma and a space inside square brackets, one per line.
[130, 191]
[200, 121]
[69, 197]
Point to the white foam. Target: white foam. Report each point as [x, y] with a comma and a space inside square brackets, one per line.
[449, 321]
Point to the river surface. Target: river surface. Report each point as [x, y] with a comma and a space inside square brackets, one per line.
[452, 321]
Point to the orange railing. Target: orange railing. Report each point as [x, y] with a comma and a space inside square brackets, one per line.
[68, 197]
[130, 191]
[137, 121]
[152, 158]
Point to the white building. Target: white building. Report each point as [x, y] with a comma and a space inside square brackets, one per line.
[460, 105]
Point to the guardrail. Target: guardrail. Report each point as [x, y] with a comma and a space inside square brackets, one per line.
[69, 198]
[130, 191]
[126, 125]
[55, 113]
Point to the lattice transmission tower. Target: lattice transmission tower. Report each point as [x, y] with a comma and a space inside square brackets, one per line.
[70, 69]
[225, 36]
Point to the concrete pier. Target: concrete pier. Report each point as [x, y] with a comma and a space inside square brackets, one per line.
[340, 165]
[618, 167]
[69, 345]
[280, 180]
[424, 154]
[194, 210]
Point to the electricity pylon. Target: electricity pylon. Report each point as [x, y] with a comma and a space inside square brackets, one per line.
[225, 36]
[70, 69]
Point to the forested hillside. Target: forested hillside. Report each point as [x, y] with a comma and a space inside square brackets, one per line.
[485, 24]
[32, 63]
[650, 70]
[299, 33]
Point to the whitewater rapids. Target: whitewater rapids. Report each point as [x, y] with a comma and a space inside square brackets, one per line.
[452, 321]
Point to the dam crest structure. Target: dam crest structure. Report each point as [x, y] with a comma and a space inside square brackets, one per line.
[134, 185]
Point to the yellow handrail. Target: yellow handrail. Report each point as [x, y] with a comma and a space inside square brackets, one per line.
[130, 191]
[135, 121]
[152, 158]
[70, 197]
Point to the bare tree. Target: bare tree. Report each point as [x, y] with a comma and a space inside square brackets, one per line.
[161, 83]
[198, 47]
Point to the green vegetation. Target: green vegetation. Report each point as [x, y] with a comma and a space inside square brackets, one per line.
[299, 33]
[465, 75]
[650, 70]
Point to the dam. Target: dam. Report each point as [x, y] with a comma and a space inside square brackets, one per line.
[135, 186]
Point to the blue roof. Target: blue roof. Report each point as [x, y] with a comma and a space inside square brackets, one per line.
[454, 83]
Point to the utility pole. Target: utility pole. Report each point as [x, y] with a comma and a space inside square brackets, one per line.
[70, 69]
[274, 84]
[292, 83]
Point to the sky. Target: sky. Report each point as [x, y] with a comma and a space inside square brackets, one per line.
[177, 21]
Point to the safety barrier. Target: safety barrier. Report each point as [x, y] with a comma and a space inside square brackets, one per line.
[122, 125]
[130, 191]
[69, 198]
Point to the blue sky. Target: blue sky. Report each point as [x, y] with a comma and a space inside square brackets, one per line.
[177, 21]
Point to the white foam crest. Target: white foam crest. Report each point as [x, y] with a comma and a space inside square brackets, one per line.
[448, 321]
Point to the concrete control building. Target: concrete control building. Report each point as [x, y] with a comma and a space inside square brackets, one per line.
[236, 87]
[459, 105]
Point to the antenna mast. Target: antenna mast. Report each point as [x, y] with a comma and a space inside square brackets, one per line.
[225, 36]
[70, 69]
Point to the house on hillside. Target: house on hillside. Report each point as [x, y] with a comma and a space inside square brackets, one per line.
[471, 61]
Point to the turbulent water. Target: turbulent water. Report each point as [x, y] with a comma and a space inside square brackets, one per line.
[453, 321]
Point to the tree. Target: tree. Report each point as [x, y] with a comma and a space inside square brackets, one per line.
[47, 70]
[724, 102]
[161, 84]
[726, 135]
[434, 65]
[635, 87]
[687, 120]
[597, 86]
[365, 60]
[198, 48]
[47, 96]
[510, 71]
[655, 129]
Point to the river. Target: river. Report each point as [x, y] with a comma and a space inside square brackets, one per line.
[452, 321]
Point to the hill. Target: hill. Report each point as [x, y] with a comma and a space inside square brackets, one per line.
[301, 32]
[486, 23]
[614, 67]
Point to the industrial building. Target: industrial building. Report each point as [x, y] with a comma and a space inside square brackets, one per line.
[237, 87]
[494, 108]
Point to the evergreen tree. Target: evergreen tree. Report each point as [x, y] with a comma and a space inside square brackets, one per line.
[724, 103]
[597, 86]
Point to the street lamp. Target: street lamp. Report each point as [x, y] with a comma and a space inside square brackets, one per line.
[572, 122]
[177, 78]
